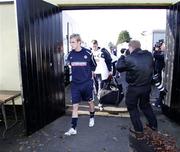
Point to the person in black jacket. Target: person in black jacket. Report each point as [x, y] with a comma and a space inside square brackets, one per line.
[158, 55]
[139, 70]
[162, 90]
[159, 65]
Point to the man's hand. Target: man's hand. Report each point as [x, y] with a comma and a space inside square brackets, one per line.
[93, 74]
[110, 75]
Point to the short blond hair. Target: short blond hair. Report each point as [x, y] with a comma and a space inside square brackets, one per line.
[76, 36]
[135, 44]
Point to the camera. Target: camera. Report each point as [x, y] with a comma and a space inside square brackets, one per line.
[158, 44]
[125, 51]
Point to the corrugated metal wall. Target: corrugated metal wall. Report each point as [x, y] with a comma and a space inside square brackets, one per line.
[172, 77]
[41, 57]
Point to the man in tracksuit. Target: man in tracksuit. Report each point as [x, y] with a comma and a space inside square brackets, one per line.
[82, 65]
[139, 70]
[103, 69]
[159, 65]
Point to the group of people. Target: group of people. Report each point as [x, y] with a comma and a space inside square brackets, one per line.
[94, 66]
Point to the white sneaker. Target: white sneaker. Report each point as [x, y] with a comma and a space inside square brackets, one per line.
[100, 106]
[70, 132]
[91, 122]
[153, 104]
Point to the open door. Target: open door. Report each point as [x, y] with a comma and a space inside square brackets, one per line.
[41, 58]
[172, 79]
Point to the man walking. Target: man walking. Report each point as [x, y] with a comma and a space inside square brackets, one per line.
[103, 69]
[82, 64]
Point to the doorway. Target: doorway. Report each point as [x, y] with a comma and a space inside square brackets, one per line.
[35, 27]
[146, 25]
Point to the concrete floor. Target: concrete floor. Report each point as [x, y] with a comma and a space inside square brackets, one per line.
[110, 133]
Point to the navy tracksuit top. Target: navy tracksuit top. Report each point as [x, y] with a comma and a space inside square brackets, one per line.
[82, 64]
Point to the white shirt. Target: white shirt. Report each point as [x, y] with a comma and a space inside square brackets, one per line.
[101, 64]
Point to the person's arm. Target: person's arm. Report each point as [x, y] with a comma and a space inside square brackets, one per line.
[67, 59]
[121, 65]
[93, 63]
[108, 59]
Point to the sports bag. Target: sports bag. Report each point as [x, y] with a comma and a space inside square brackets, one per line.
[111, 93]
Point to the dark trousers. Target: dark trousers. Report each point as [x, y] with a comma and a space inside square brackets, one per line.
[99, 83]
[160, 98]
[138, 98]
[159, 72]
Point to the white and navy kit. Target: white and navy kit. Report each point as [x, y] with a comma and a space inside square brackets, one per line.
[82, 64]
[103, 60]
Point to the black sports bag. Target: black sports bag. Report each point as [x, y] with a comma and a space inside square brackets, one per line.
[111, 93]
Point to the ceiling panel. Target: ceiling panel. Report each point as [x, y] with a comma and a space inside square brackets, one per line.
[112, 2]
